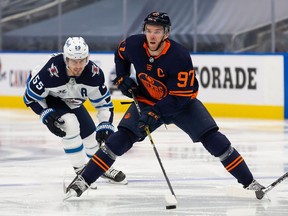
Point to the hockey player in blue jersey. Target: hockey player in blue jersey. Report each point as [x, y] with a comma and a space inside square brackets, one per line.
[56, 91]
[166, 89]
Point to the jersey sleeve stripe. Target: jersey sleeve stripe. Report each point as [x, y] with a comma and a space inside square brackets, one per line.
[32, 95]
[184, 92]
[188, 93]
[107, 94]
[181, 95]
[109, 105]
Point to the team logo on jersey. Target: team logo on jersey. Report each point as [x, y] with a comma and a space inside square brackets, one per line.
[95, 70]
[53, 70]
[155, 88]
[74, 101]
[62, 91]
[127, 115]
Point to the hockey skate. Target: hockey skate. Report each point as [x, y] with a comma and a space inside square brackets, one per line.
[112, 175]
[250, 191]
[115, 176]
[255, 186]
[79, 171]
[76, 188]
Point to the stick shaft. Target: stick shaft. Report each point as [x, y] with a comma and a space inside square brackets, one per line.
[278, 181]
[153, 144]
[126, 102]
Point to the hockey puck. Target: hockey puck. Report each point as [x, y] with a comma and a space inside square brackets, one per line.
[171, 207]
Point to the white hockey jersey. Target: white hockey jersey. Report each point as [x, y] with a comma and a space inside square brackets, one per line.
[51, 80]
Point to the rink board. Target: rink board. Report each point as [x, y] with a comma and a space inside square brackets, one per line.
[231, 85]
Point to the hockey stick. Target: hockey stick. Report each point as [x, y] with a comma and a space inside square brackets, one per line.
[260, 194]
[170, 199]
[126, 102]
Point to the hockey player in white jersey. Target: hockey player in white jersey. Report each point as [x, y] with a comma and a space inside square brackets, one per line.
[56, 92]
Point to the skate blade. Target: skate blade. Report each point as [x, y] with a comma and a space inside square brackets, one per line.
[233, 191]
[71, 193]
[64, 185]
[124, 182]
[93, 186]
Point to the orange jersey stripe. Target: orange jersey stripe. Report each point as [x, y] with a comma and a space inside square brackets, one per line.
[103, 164]
[194, 95]
[187, 91]
[234, 163]
[144, 100]
[96, 162]
[120, 55]
[121, 49]
[164, 51]
[101, 161]
[182, 95]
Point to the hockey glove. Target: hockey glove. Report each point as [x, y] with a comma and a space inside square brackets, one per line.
[103, 131]
[149, 117]
[52, 120]
[124, 84]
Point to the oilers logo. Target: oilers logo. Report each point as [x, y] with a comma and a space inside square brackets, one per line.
[154, 87]
[53, 70]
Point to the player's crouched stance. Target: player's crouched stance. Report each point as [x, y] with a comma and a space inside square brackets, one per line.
[166, 90]
[56, 92]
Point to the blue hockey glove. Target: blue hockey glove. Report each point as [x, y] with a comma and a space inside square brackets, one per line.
[52, 120]
[149, 117]
[124, 84]
[103, 131]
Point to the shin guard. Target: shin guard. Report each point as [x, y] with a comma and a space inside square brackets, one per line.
[236, 165]
[99, 164]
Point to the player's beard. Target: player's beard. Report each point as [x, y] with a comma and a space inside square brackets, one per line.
[154, 47]
[76, 72]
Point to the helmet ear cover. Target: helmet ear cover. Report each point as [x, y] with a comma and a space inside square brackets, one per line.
[75, 48]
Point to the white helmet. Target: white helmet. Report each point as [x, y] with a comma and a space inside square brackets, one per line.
[76, 48]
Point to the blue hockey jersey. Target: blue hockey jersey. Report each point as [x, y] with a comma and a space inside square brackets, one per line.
[166, 81]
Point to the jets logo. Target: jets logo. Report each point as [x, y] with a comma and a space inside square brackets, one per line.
[74, 101]
[63, 91]
[68, 43]
[95, 70]
[53, 70]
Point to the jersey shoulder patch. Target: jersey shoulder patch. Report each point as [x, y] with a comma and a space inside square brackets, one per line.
[92, 75]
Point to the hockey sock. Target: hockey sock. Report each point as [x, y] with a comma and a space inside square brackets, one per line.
[236, 165]
[98, 164]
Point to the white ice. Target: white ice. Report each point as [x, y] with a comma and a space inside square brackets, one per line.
[33, 164]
